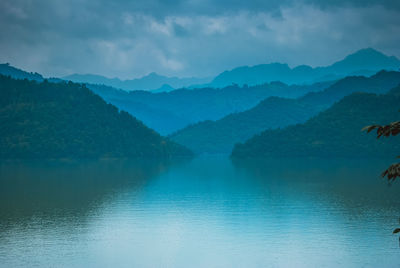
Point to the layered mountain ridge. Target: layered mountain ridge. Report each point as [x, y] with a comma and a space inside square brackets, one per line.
[220, 136]
[335, 132]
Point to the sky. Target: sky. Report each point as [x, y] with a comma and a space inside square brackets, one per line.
[201, 38]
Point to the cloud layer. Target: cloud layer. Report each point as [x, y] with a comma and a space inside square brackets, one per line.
[189, 38]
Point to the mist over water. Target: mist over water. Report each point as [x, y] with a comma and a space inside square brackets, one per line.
[207, 212]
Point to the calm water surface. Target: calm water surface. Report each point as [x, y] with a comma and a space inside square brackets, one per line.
[199, 213]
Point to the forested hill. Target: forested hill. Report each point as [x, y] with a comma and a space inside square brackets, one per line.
[220, 136]
[168, 112]
[334, 132]
[67, 120]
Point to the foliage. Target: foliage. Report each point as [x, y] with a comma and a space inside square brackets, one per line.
[67, 120]
[221, 135]
[168, 112]
[392, 129]
[392, 172]
[334, 132]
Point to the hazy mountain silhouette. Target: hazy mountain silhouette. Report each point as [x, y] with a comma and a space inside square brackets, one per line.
[221, 135]
[157, 118]
[332, 133]
[171, 110]
[363, 62]
[67, 120]
[365, 59]
[168, 112]
[154, 117]
[151, 81]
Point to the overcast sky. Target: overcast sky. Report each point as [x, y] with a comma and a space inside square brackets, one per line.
[127, 39]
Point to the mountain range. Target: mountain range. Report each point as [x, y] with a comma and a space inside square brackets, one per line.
[363, 62]
[335, 132]
[221, 135]
[237, 112]
[151, 81]
[170, 111]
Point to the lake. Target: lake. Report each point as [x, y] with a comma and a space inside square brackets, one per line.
[205, 212]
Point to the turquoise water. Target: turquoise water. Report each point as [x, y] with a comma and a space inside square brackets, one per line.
[206, 212]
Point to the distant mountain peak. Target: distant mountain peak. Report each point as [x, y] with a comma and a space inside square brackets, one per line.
[365, 62]
[151, 81]
[367, 52]
[366, 59]
[153, 74]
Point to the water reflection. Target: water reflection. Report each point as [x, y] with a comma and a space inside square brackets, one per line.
[209, 212]
[68, 189]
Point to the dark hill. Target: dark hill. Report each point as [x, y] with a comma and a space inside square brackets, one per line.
[334, 132]
[221, 135]
[67, 120]
[169, 111]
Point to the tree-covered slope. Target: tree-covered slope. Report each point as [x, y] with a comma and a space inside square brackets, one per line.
[168, 112]
[334, 132]
[161, 120]
[57, 120]
[221, 135]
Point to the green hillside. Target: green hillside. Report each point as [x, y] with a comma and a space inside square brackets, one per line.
[67, 120]
[168, 112]
[334, 132]
[220, 136]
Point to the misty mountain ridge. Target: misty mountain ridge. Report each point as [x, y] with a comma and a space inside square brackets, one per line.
[335, 132]
[170, 111]
[152, 81]
[363, 62]
[219, 137]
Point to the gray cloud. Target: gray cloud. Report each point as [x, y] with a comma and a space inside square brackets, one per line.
[185, 38]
